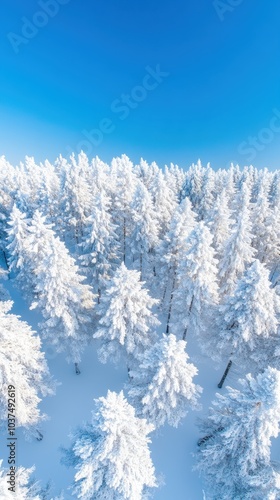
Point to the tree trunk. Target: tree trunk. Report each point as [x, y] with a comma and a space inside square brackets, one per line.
[209, 436]
[6, 262]
[220, 384]
[39, 435]
[189, 312]
[170, 306]
[77, 369]
[141, 265]
[99, 296]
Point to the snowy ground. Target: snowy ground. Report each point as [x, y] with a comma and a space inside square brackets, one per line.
[72, 405]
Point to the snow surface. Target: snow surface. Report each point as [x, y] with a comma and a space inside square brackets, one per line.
[73, 403]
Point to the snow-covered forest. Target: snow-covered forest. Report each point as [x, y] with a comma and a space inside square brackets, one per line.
[135, 300]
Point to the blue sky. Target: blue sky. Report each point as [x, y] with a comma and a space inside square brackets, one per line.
[168, 81]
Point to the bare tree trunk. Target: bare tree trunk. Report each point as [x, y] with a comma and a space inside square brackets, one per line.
[170, 305]
[189, 312]
[6, 262]
[209, 436]
[220, 384]
[77, 369]
[98, 296]
[141, 264]
[39, 435]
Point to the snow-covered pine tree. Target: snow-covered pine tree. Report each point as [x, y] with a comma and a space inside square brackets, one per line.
[111, 454]
[24, 489]
[22, 366]
[165, 202]
[99, 246]
[161, 387]
[247, 322]
[261, 216]
[196, 293]
[219, 221]
[172, 249]
[127, 323]
[145, 229]
[207, 194]
[65, 301]
[123, 182]
[17, 250]
[234, 452]
[238, 251]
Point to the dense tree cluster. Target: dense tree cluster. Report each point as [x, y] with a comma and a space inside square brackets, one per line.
[103, 250]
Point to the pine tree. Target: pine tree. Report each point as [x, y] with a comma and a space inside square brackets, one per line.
[162, 387]
[165, 202]
[65, 301]
[123, 181]
[111, 454]
[24, 489]
[220, 222]
[22, 366]
[238, 252]
[247, 327]
[144, 236]
[127, 322]
[99, 244]
[197, 292]
[172, 249]
[16, 238]
[234, 452]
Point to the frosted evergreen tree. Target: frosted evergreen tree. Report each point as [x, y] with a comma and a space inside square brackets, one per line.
[261, 216]
[173, 248]
[144, 236]
[234, 452]
[162, 388]
[220, 222]
[99, 244]
[22, 366]
[111, 454]
[24, 488]
[76, 197]
[207, 194]
[248, 322]
[65, 301]
[238, 252]
[123, 180]
[17, 233]
[193, 184]
[127, 323]
[196, 293]
[165, 202]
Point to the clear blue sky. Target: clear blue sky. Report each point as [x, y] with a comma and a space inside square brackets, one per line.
[85, 69]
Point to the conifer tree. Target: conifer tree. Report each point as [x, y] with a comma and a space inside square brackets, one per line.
[111, 454]
[248, 322]
[22, 367]
[197, 292]
[162, 387]
[144, 236]
[24, 489]
[99, 244]
[127, 323]
[172, 249]
[234, 452]
[65, 301]
[238, 252]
